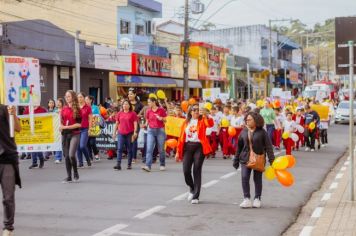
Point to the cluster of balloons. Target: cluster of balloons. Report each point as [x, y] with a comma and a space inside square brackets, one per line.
[159, 95]
[185, 104]
[293, 136]
[278, 170]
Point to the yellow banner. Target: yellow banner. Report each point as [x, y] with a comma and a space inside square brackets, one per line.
[94, 128]
[174, 125]
[46, 136]
[323, 111]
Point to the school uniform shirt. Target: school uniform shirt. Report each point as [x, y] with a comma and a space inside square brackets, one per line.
[68, 119]
[85, 112]
[237, 121]
[289, 126]
[191, 131]
[126, 122]
[324, 125]
[280, 118]
[151, 117]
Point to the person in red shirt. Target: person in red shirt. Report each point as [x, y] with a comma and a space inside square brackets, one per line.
[86, 115]
[70, 128]
[126, 131]
[36, 155]
[155, 118]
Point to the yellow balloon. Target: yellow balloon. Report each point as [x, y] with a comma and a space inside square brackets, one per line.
[312, 125]
[285, 135]
[225, 123]
[152, 95]
[260, 103]
[208, 106]
[280, 163]
[269, 173]
[161, 94]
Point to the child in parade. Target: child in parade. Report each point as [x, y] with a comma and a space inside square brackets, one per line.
[299, 120]
[237, 121]
[223, 134]
[214, 131]
[277, 134]
[289, 125]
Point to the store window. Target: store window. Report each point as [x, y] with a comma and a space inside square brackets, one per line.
[140, 30]
[148, 27]
[125, 27]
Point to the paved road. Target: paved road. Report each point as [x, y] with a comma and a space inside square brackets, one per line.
[107, 202]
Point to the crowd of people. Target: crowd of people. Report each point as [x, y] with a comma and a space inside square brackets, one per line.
[235, 127]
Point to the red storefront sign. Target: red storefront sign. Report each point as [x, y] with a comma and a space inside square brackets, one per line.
[149, 65]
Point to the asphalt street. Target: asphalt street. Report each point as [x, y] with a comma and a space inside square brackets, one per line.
[133, 202]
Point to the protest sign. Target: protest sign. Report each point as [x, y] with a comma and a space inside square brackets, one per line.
[173, 126]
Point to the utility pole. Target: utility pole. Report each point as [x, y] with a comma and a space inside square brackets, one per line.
[248, 81]
[351, 128]
[77, 62]
[186, 50]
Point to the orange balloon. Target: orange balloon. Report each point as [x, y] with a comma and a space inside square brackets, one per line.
[103, 111]
[172, 143]
[192, 101]
[277, 104]
[185, 106]
[285, 178]
[232, 131]
[291, 161]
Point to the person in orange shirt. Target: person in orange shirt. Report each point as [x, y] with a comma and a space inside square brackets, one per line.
[193, 147]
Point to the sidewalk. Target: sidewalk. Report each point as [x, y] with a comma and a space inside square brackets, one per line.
[329, 211]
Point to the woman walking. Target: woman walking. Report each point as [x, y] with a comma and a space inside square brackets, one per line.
[260, 142]
[86, 115]
[155, 118]
[126, 128]
[70, 128]
[193, 147]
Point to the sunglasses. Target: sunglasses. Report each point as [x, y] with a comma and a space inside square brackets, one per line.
[195, 109]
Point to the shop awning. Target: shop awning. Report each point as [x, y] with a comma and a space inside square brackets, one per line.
[191, 83]
[145, 81]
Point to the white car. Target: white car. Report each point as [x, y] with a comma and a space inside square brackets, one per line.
[342, 114]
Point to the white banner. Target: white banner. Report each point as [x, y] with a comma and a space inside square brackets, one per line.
[21, 78]
[211, 94]
[113, 59]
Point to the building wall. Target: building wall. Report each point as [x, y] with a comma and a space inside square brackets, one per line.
[169, 41]
[97, 22]
[247, 41]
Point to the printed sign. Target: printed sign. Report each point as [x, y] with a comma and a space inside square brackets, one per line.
[151, 65]
[224, 97]
[21, 79]
[211, 94]
[105, 141]
[94, 127]
[323, 111]
[46, 137]
[173, 126]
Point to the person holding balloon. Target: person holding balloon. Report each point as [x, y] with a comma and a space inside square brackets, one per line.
[300, 122]
[193, 146]
[311, 120]
[289, 127]
[260, 142]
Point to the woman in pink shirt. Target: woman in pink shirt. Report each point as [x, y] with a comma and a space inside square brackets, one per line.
[155, 119]
[126, 130]
[86, 114]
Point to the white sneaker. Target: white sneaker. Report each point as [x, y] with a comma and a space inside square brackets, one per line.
[7, 233]
[162, 168]
[323, 145]
[195, 201]
[256, 203]
[246, 203]
[57, 162]
[307, 149]
[190, 197]
[312, 150]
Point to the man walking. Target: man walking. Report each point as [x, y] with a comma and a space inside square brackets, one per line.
[309, 134]
[9, 171]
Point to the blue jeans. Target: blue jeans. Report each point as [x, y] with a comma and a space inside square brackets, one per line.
[83, 146]
[270, 130]
[124, 141]
[58, 155]
[153, 135]
[35, 156]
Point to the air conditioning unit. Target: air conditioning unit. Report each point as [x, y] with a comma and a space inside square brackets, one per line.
[197, 7]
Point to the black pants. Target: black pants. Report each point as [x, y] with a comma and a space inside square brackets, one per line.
[257, 178]
[193, 155]
[324, 136]
[70, 145]
[310, 138]
[7, 181]
[92, 147]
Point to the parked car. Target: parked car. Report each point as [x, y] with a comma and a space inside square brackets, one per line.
[342, 114]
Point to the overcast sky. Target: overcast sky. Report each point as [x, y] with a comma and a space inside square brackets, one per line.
[248, 12]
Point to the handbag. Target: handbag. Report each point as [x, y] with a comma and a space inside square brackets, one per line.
[256, 161]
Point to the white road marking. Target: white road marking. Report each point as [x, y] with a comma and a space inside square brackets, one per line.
[211, 183]
[326, 197]
[228, 175]
[181, 197]
[138, 234]
[317, 212]
[112, 230]
[343, 168]
[333, 185]
[307, 230]
[339, 176]
[149, 212]
[347, 163]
